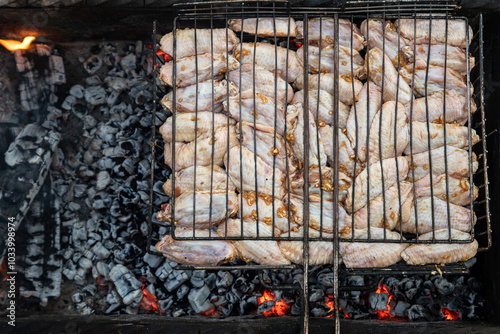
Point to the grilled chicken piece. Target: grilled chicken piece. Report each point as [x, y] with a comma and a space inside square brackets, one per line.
[324, 108]
[200, 210]
[393, 169]
[383, 73]
[420, 254]
[204, 147]
[264, 82]
[435, 31]
[368, 103]
[260, 251]
[399, 196]
[389, 132]
[321, 213]
[188, 126]
[459, 188]
[265, 27]
[456, 136]
[263, 173]
[196, 252]
[430, 79]
[186, 97]
[265, 109]
[350, 64]
[384, 36]
[349, 88]
[455, 163]
[268, 145]
[207, 41]
[270, 57]
[346, 153]
[264, 212]
[320, 252]
[460, 218]
[207, 180]
[295, 137]
[209, 66]
[368, 255]
[453, 57]
[323, 29]
[321, 181]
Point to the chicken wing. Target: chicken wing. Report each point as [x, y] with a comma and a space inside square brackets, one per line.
[196, 252]
[367, 106]
[264, 82]
[208, 150]
[459, 188]
[198, 68]
[321, 105]
[430, 79]
[206, 180]
[368, 255]
[191, 99]
[247, 180]
[295, 136]
[419, 254]
[392, 170]
[349, 88]
[260, 251]
[322, 29]
[264, 212]
[383, 73]
[269, 146]
[270, 57]
[346, 154]
[399, 196]
[320, 252]
[456, 136]
[350, 64]
[429, 209]
[188, 126]
[207, 41]
[200, 210]
[438, 31]
[442, 55]
[455, 111]
[389, 132]
[455, 162]
[265, 27]
[384, 36]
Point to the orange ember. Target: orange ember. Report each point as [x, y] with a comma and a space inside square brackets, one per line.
[13, 45]
[331, 305]
[165, 56]
[450, 315]
[384, 314]
[280, 308]
[148, 302]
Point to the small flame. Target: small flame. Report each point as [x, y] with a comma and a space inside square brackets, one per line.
[165, 56]
[280, 308]
[450, 315]
[384, 314]
[148, 301]
[13, 45]
[331, 305]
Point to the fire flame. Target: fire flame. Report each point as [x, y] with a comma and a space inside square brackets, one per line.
[148, 301]
[384, 314]
[331, 305]
[13, 45]
[280, 308]
[165, 56]
[450, 315]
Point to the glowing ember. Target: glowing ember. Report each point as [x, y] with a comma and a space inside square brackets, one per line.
[384, 314]
[450, 315]
[148, 302]
[13, 45]
[280, 308]
[331, 306]
[165, 56]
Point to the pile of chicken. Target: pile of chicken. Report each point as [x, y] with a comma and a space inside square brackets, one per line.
[239, 142]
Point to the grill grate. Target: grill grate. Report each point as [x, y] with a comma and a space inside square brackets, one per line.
[215, 14]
